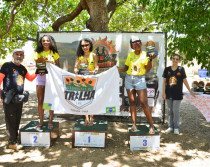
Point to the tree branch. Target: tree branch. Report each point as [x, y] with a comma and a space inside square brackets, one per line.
[148, 26]
[69, 17]
[28, 38]
[112, 5]
[44, 7]
[121, 3]
[21, 39]
[10, 0]
[13, 13]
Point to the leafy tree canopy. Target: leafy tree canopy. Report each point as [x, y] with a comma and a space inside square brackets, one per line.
[185, 21]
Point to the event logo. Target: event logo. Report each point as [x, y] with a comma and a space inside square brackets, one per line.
[150, 46]
[172, 81]
[105, 50]
[79, 91]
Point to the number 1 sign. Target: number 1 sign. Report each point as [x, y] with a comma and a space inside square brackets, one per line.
[89, 139]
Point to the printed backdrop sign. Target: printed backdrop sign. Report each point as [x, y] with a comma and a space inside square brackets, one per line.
[67, 93]
[112, 49]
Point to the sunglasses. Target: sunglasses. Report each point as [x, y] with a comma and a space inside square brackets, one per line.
[175, 59]
[135, 43]
[84, 45]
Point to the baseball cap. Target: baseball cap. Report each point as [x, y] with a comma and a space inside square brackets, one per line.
[18, 50]
[135, 38]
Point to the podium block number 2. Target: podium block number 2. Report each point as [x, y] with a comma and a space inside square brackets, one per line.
[35, 139]
[144, 142]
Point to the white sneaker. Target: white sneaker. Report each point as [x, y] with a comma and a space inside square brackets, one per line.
[176, 131]
[169, 130]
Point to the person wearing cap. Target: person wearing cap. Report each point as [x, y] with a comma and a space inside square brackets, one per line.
[136, 65]
[13, 75]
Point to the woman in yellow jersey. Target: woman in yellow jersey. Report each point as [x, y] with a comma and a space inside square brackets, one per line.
[47, 49]
[136, 65]
[86, 64]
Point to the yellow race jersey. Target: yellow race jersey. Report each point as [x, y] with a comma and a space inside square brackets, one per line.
[49, 55]
[87, 63]
[136, 63]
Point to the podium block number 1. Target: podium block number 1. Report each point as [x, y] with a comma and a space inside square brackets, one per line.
[89, 139]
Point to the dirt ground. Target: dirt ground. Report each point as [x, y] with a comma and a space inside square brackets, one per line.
[191, 148]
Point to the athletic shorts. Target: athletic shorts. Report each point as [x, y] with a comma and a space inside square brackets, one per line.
[41, 80]
[136, 82]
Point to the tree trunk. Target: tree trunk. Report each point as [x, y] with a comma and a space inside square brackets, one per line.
[98, 12]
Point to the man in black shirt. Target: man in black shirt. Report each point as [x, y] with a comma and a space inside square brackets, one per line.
[13, 75]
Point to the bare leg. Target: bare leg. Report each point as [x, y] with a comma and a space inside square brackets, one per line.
[142, 94]
[50, 124]
[40, 96]
[91, 120]
[86, 120]
[51, 116]
[132, 103]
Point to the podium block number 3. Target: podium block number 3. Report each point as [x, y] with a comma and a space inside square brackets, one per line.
[35, 139]
[144, 142]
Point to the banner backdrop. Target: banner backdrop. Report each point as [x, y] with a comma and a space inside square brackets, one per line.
[112, 49]
[67, 93]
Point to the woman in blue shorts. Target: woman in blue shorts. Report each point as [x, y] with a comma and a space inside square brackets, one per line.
[136, 65]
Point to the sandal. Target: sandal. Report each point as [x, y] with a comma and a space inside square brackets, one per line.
[50, 126]
[86, 123]
[151, 130]
[134, 128]
[38, 127]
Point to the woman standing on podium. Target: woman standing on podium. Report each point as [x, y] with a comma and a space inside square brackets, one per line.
[86, 64]
[46, 49]
[136, 65]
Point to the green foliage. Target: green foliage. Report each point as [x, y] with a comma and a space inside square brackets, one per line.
[34, 16]
[131, 16]
[187, 22]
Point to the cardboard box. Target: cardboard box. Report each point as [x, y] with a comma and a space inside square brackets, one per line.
[142, 140]
[44, 137]
[90, 136]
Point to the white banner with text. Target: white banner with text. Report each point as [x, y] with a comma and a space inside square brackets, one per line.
[68, 93]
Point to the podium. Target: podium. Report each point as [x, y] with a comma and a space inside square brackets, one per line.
[44, 137]
[90, 136]
[142, 140]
